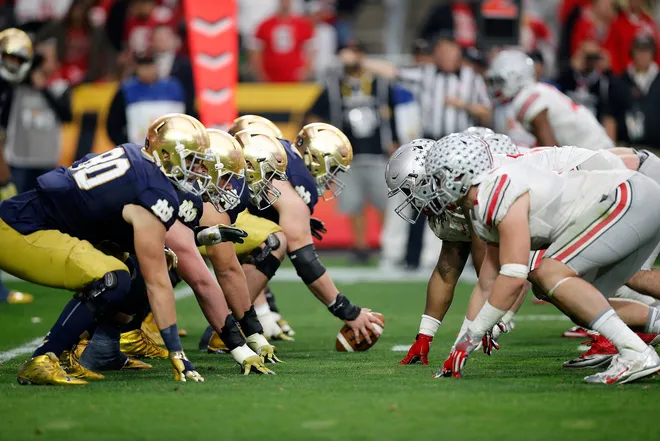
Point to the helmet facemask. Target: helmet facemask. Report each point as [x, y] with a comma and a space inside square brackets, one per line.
[188, 172]
[419, 192]
[325, 170]
[225, 194]
[263, 193]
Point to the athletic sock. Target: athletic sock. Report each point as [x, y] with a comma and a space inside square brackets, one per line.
[653, 321]
[612, 327]
[75, 319]
[429, 325]
[102, 352]
[270, 298]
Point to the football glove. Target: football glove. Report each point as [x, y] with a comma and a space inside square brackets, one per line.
[318, 228]
[260, 345]
[488, 343]
[453, 366]
[249, 361]
[171, 259]
[7, 191]
[419, 351]
[209, 236]
[183, 368]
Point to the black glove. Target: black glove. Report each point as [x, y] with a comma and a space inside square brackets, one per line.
[318, 228]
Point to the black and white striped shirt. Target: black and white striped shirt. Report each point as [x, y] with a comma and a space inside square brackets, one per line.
[431, 86]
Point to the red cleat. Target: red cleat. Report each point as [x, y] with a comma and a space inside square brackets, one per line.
[601, 352]
[576, 332]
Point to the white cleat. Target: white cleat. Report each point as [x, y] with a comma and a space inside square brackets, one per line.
[628, 366]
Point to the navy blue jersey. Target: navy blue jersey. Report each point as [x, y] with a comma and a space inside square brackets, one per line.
[301, 180]
[191, 208]
[241, 207]
[86, 200]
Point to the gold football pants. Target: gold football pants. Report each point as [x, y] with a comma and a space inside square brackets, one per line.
[54, 259]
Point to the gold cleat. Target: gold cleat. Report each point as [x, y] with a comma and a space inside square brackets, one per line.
[286, 328]
[80, 348]
[216, 345]
[139, 345]
[45, 369]
[150, 328]
[135, 365]
[19, 298]
[71, 365]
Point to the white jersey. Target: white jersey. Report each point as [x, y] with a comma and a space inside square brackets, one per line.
[453, 226]
[572, 124]
[556, 201]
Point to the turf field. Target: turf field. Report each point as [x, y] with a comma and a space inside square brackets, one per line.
[521, 393]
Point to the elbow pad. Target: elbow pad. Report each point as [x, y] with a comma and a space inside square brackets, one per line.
[307, 264]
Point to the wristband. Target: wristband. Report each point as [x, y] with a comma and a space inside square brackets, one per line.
[171, 338]
[343, 308]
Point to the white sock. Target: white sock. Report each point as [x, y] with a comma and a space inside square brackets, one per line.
[268, 322]
[653, 322]
[612, 327]
[464, 327]
[486, 319]
[429, 325]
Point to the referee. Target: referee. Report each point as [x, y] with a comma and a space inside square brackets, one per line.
[451, 95]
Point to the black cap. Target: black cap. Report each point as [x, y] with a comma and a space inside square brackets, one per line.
[421, 47]
[643, 41]
[443, 35]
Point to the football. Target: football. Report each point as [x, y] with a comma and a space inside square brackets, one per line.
[346, 339]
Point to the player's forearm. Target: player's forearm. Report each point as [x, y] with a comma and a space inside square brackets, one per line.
[162, 302]
[234, 285]
[481, 112]
[439, 295]
[324, 289]
[506, 291]
[381, 68]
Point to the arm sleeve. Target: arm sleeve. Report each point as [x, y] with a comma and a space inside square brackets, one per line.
[528, 107]
[393, 123]
[5, 105]
[116, 121]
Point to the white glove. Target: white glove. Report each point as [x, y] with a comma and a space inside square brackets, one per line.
[272, 330]
[209, 236]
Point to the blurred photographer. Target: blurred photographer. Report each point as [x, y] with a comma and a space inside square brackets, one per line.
[587, 80]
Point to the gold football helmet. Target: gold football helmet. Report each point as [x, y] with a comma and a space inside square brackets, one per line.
[327, 152]
[16, 55]
[257, 124]
[265, 160]
[226, 167]
[177, 144]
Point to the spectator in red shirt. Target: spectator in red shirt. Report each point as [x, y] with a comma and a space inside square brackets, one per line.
[628, 25]
[280, 51]
[594, 24]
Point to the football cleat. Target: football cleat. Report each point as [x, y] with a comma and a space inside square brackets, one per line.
[286, 328]
[45, 369]
[627, 367]
[71, 365]
[139, 345]
[150, 328]
[17, 297]
[135, 365]
[600, 353]
[216, 345]
[576, 332]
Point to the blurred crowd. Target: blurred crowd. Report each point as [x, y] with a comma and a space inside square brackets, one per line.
[601, 53]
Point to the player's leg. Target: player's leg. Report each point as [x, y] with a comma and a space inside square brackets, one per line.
[608, 252]
[54, 259]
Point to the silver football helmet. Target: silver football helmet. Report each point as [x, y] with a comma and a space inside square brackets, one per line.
[457, 162]
[501, 144]
[406, 172]
[510, 71]
[478, 131]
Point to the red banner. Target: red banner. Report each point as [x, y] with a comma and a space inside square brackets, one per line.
[213, 42]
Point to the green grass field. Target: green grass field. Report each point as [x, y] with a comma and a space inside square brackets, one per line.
[520, 393]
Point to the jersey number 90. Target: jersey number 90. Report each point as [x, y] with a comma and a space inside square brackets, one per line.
[101, 169]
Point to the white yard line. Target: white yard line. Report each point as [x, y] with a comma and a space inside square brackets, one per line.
[30, 346]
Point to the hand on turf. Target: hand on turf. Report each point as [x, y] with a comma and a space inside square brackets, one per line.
[419, 351]
[183, 368]
[220, 233]
[488, 343]
[453, 366]
[362, 324]
[261, 347]
[255, 364]
[318, 228]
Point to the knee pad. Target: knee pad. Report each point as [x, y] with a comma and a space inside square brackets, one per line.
[267, 264]
[231, 334]
[307, 264]
[105, 295]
